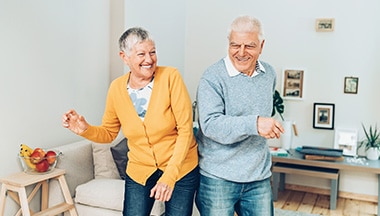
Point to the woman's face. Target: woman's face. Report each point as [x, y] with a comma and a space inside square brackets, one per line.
[142, 60]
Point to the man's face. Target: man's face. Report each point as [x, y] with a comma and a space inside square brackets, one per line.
[244, 50]
[142, 59]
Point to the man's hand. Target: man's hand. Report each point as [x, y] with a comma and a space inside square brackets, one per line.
[269, 128]
[161, 192]
[74, 122]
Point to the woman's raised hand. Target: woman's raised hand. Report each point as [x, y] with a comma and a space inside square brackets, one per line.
[74, 122]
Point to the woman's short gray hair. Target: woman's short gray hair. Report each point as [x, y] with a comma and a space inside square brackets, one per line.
[247, 24]
[131, 37]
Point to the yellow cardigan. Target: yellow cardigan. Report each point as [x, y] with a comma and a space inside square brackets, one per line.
[164, 140]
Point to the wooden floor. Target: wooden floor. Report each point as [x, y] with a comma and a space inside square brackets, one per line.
[320, 204]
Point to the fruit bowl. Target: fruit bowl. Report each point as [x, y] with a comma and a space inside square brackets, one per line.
[40, 164]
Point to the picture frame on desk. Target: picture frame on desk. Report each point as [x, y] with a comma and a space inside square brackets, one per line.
[323, 116]
[346, 139]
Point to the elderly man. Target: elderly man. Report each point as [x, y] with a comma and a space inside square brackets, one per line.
[235, 100]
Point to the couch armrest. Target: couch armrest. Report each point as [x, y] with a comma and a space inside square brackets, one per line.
[77, 160]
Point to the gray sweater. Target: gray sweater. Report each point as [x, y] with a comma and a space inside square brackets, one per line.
[228, 106]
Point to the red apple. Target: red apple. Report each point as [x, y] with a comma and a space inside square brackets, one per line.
[41, 151]
[36, 157]
[51, 157]
[42, 166]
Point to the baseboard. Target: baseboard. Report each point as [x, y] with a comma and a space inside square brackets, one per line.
[342, 194]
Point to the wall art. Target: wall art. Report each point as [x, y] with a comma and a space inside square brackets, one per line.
[323, 117]
[351, 85]
[293, 81]
[324, 24]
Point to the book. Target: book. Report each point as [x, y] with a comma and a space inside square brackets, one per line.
[279, 152]
[311, 150]
[323, 157]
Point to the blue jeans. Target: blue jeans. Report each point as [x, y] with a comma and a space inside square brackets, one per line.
[138, 203]
[218, 197]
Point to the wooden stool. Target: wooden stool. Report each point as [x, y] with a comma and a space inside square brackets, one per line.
[15, 185]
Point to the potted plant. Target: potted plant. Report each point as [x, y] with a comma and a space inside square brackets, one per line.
[278, 106]
[371, 142]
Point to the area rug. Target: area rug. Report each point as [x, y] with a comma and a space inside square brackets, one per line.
[281, 212]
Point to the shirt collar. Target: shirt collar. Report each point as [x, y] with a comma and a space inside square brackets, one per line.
[233, 72]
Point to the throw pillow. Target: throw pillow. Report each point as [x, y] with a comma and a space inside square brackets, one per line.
[120, 157]
[104, 166]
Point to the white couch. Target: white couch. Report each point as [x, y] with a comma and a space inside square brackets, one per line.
[93, 180]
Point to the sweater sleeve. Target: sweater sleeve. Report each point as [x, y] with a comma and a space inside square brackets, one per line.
[215, 123]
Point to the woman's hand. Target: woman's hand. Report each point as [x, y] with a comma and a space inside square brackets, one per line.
[161, 192]
[74, 122]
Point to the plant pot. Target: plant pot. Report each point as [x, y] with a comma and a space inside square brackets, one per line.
[287, 136]
[372, 154]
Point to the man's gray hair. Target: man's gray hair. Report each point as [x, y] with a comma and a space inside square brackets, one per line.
[246, 24]
[131, 37]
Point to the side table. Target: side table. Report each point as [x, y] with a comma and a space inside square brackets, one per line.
[15, 185]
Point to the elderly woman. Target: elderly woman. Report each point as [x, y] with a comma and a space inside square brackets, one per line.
[152, 107]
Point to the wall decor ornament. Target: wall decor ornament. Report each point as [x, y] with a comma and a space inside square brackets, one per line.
[292, 85]
[324, 24]
[323, 116]
[351, 85]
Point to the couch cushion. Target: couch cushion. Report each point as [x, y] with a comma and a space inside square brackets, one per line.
[119, 154]
[95, 211]
[108, 194]
[104, 193]
[104, 165]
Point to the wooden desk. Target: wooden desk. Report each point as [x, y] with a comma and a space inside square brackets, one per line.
[15, 186]
[369, 166]
[279, 170]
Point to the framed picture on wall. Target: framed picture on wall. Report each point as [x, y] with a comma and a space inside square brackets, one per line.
[324, 24]
[346, 139]
[351, 85]
[292, 86]
[323, 117]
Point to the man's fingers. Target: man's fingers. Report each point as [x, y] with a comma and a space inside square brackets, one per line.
[279, 127]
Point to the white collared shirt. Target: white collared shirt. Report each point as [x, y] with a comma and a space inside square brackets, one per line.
[233, 72]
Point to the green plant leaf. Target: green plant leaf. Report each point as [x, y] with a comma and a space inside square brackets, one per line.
[372, 137]
[278, 104]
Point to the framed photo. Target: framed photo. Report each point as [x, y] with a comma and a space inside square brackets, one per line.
[351, 85]
[346, 139]
[293, 80]
[323, 117]
[324, 24]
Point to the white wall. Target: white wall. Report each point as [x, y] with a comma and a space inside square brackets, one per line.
[54, 56]
[117, 27]
[291, 42]
[165, 20]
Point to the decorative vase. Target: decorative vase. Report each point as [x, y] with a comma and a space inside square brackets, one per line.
[372, 153]
[287, 136]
